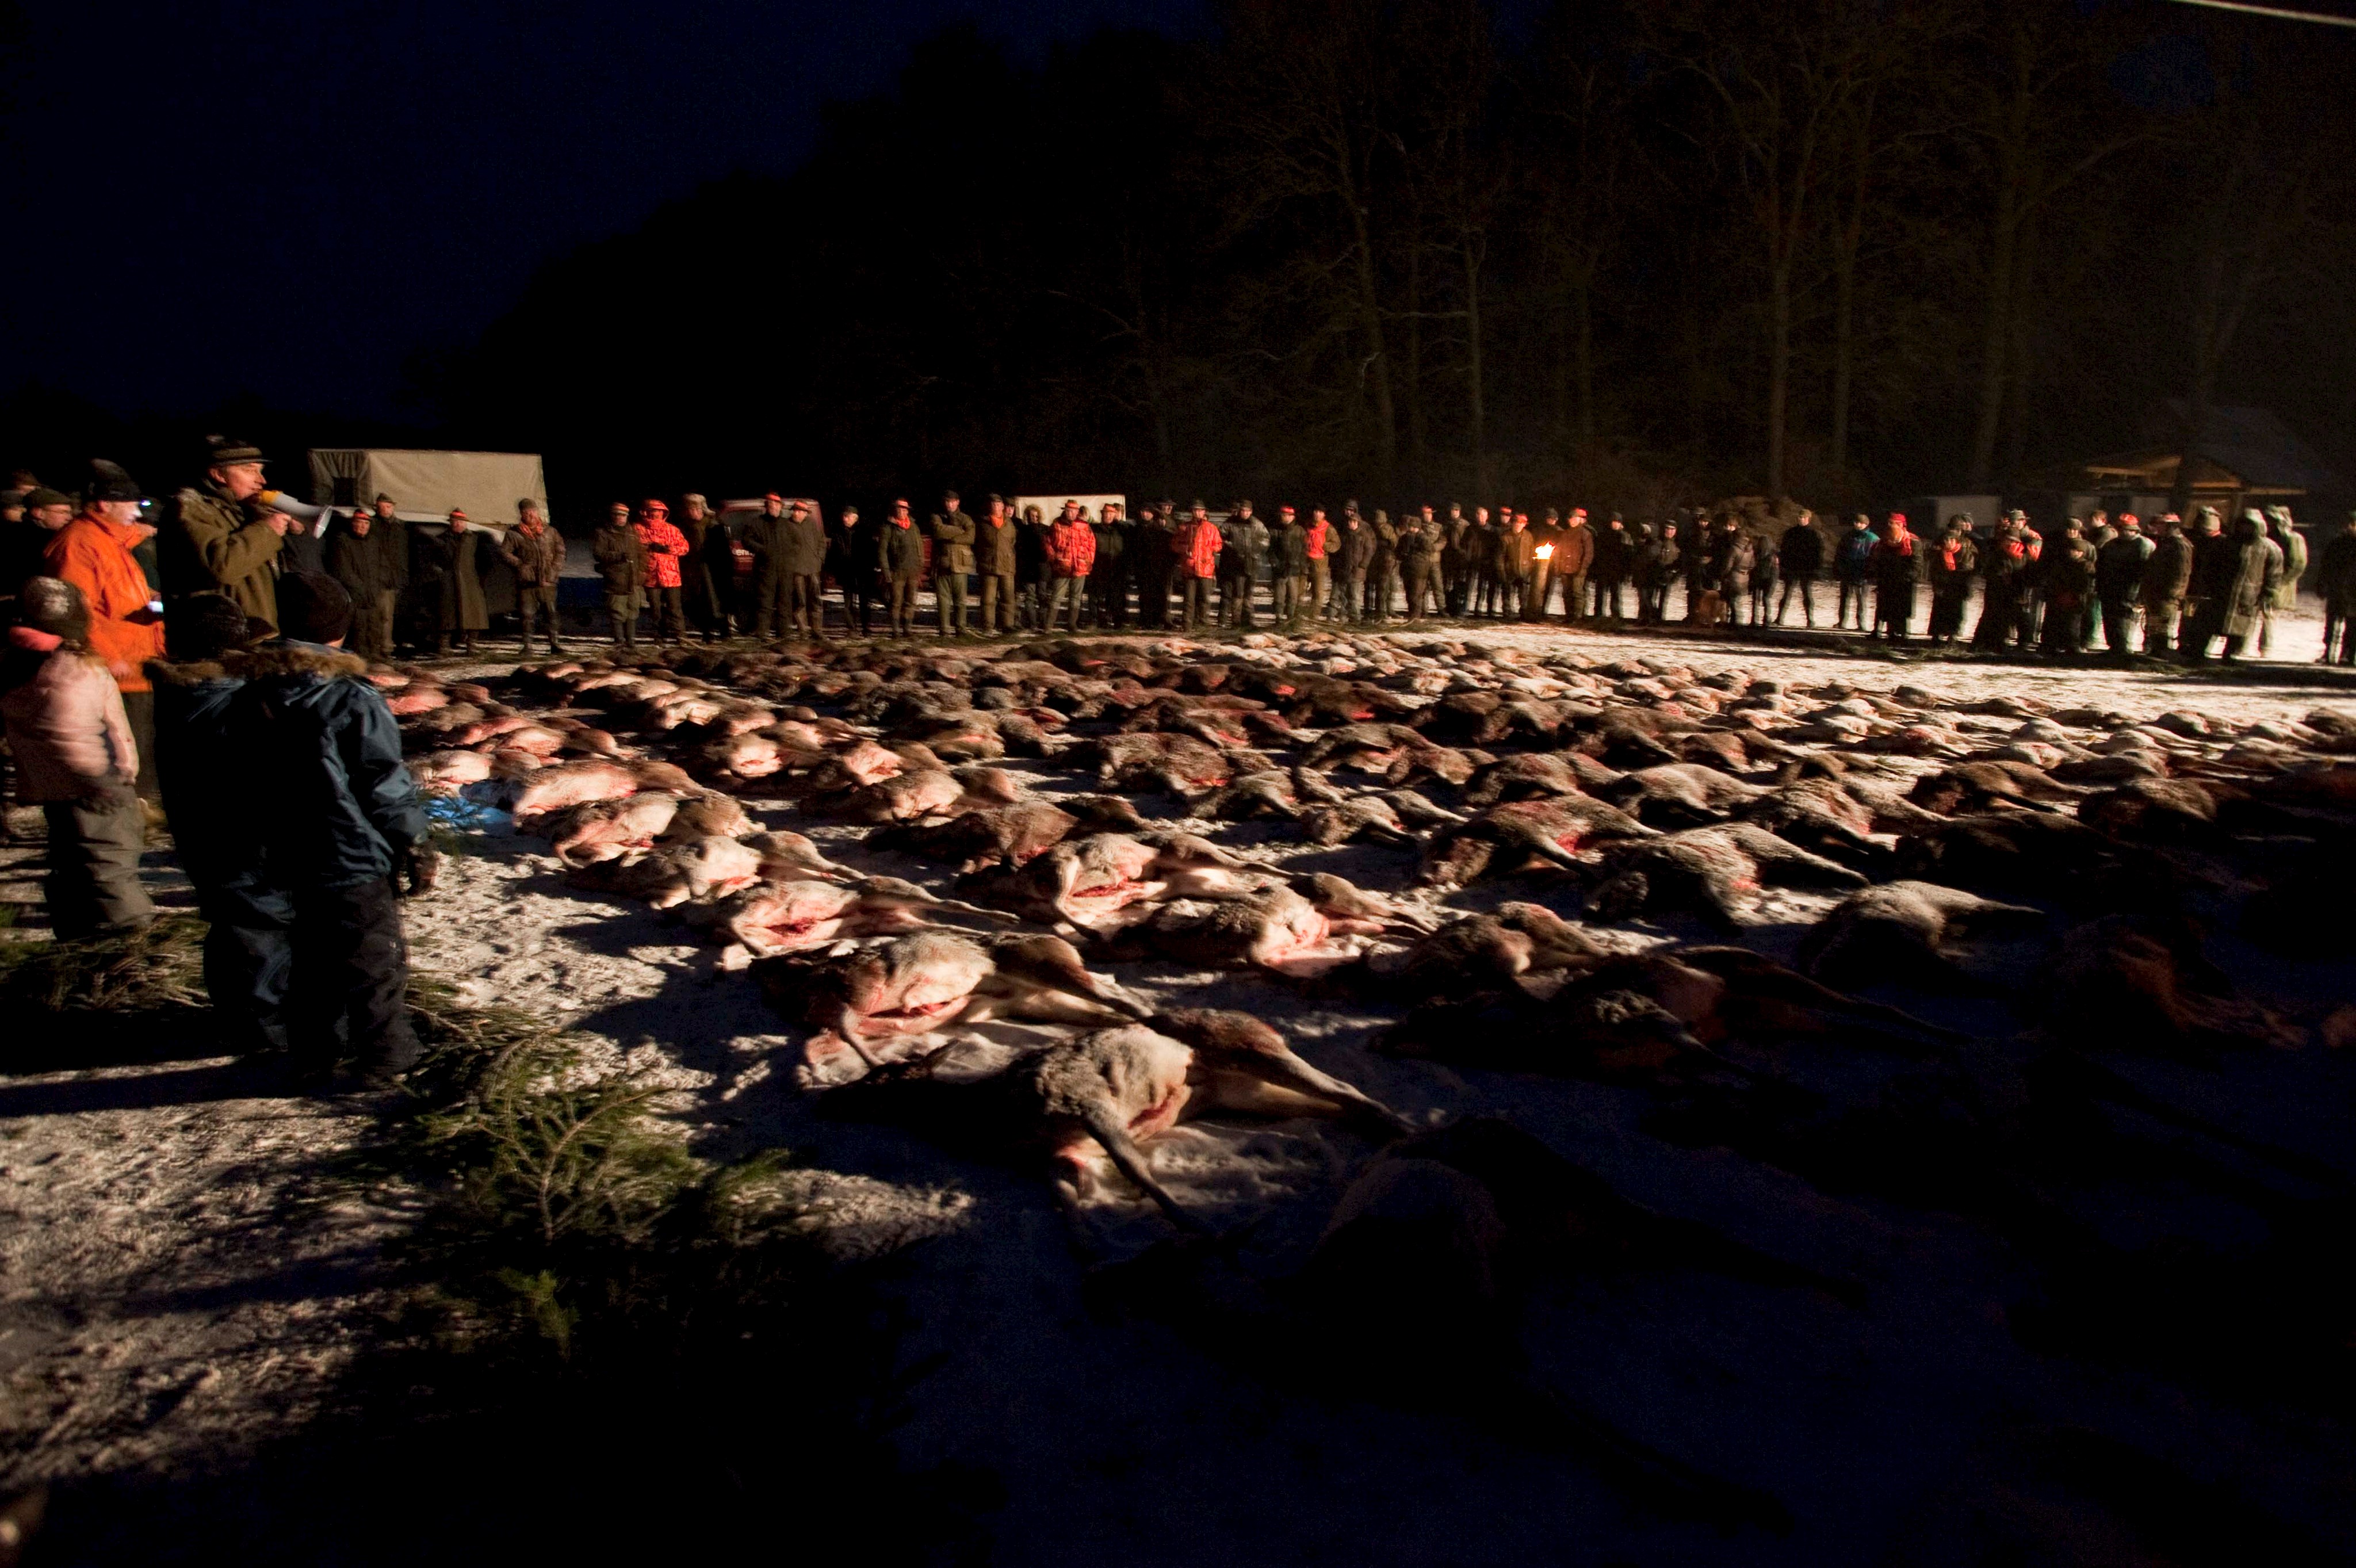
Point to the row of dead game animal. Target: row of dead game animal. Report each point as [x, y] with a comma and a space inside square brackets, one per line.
[1640, 789]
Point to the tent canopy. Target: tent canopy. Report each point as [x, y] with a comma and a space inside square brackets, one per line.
[2154, 469]
[1052, 507]
[486, 485]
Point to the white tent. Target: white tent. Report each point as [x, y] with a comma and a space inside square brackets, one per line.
[485, 485]
[424, 486]
[1052, 507]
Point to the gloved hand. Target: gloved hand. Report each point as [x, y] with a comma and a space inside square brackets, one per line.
[421, 863]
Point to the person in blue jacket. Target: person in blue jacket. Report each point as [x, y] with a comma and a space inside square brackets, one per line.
[301, 775]
[208, 802]
[1853, 568]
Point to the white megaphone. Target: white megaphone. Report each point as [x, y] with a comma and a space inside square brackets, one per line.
[279, 501]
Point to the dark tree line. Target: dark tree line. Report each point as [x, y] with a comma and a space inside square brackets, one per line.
[1631, 254]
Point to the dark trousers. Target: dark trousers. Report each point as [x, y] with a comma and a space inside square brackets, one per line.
[249, 963]
[1236, 601]
[948, 594]
[771, 612]
[997, 603]
[1574, 596]
[858, 598]
[323, 971]
[2339, 636]
[1606, 599]
[1893, 609]
[1947, 611]
[2204, 624]
[1108, 595]
[1353, 597]
[1999, 615]
[1419, 591]
[416, 615]
[94, 846]
[1152, 595]
[669, 614]
[1072, 591]
[139, 707]
[1803, 585]
[1459, 580]
[350, 989]
[536, 604]
[1196, 600]
[622, 611]
[371, 636]
[805, 607]
[900, 603]
[2159, 625]
[702, 590]
[2064, 627]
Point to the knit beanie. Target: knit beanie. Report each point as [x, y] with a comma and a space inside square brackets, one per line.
[204, 625]
[54, 605]
[110, 482]
[313, 607]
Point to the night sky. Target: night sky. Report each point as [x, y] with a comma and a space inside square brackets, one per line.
[289, 200]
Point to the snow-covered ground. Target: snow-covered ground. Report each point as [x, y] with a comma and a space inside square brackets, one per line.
[178, 1285]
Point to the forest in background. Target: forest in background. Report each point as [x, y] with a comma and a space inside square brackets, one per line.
[1632, 256]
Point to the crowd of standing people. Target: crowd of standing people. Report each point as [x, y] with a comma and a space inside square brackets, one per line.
[189, 665]
[2123, 585]
[2126, 587]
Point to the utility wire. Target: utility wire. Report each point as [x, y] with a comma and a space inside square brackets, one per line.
[2287, 16]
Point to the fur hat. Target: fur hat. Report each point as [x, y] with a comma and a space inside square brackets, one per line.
[313, 607]
[54, 605]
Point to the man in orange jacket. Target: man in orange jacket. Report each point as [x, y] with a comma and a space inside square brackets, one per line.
[1197, 544]
[666, 547]
[1071, 554]
[126, 622]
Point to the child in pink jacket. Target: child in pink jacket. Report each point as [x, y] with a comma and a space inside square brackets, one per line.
[76, 760]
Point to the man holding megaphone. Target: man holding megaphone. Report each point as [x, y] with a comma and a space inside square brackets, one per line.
[219, 540]
[304, 548]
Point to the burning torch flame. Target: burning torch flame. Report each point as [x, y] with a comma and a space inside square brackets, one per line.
[1546, 552]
